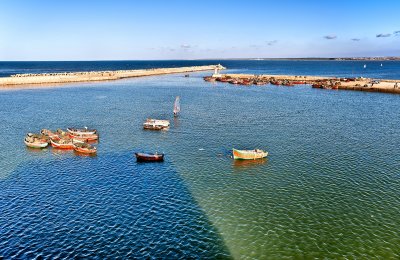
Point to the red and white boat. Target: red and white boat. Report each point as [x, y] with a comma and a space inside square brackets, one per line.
[63, 143]
[84, 137]
[81, 131]
[84, 148]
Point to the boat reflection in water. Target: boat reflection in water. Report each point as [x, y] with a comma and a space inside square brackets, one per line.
[245, 164]
[35, 150]
[61, 151]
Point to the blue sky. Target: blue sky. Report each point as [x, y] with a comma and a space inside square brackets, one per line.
[137, 30]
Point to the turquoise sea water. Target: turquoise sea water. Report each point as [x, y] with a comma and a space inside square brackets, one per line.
[329, 188]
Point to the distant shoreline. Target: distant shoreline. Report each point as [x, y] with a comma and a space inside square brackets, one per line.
[319, 59]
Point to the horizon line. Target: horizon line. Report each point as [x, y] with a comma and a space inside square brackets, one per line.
[211, 59]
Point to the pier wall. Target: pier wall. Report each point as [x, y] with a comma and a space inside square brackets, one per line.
[69, 77]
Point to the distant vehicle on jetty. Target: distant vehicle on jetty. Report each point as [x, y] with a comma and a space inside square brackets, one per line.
[149, 157]
[249, 154]
[156, 124]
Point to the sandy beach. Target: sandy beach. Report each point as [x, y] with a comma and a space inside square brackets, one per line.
[70, 77]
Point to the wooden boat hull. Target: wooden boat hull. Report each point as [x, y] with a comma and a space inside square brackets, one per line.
[248, 154]
[36, 145]
[156, 124]
[75, 131]
[67, 146]
[148, 157]
[84, 148]
[85, 138]
[85, 151]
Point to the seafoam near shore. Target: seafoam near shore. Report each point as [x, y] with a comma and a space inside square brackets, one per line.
[68, 77]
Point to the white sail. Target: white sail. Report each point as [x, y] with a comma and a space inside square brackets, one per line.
[177, 106]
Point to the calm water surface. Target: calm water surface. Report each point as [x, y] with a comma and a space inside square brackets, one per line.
[329, 188]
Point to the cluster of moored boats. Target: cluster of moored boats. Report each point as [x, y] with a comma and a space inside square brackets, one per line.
[73, 139]
[79, 139]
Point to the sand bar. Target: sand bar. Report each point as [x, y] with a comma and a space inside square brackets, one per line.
[70, 77]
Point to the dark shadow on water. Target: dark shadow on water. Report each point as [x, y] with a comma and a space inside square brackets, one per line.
[111, 207]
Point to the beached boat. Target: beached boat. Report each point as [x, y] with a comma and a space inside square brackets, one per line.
[316, 85]
[258, 83]
[177, 106]
[35, 141]
[81, 131]
[84, 148]
[156, 124]
[249, 154]
[210, 79]
[225, 79]
[149, 157]
[298, 82]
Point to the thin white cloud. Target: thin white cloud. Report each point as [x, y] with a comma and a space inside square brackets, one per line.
[356, 39]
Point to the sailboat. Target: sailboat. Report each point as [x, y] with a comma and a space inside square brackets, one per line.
[365, 65]
[177, 106]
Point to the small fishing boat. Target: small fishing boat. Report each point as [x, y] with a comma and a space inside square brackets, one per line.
[277, 83]
[81, 131]
[258, 83]
[246, 82]
[298, 82]
[288, 84]
[63, 143]
[84, 137]
[156, 124]
[225, 79]
[50, 134]
[149, 157]
[316, 85]
[210, 79]
[35, 141]
[84, 148]
[249, 154]
[177, 106]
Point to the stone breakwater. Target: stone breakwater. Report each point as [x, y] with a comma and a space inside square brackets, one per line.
[70, 77]
[359, 84]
